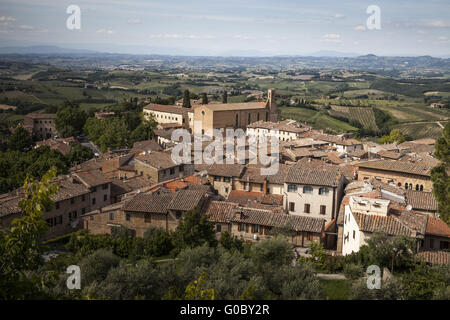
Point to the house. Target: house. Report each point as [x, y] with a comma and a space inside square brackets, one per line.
[77, 195]
[160, 209]
[363, 216]
[63, 145]
[252, 225]
[423, 202]
[159, 166]
[40, 125]
[437, 235]
[409, 174]
[222, 177]
[287, 130]
[313, 193]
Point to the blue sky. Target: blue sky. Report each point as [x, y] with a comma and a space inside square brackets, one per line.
[230, 26]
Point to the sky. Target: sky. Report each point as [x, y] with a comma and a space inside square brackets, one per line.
[231, 27]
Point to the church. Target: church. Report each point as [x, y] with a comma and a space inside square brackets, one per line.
[217, 115]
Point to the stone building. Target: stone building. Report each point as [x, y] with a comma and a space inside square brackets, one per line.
[77, 195]
[160, 209]
[216, 115]
[40, 125]
[403, 173]
[252, 225]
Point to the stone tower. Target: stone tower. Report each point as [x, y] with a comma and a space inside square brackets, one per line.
[272, 106]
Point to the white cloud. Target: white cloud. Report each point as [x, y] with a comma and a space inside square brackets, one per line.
[339, 16]
[105, 31]
[421, 32]
[437, 24]
[134, 21]
[442, 38]
[241, 37]
[360, 28]
[420, 41]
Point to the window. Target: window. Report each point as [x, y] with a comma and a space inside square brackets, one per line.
[241, 227]
[148, 218]
[248, 118]
[292, 188]
[246, 228]
[443, 245]
[226, 190]
[216, 178]
[237, 121]
[354, 233]
[83, 197]
[307, 208]
[105, 186]
[309, 236]
[105, 197]
[93, 200]
[406, 185]
[178, 215]
[323, 209]
[172, 170]
[94, 189]
[257, 116]
[431, 243]
[324, 191]
[291, 206]
[83, 211]
[49, 222]
[75, 214]
[218, 228]
[60, 220]
[267, 116]
[72, 200]
[255, 229]
[128, 217]
[417, 187]
[111, 215]
[307, 189]
[91, 217]
[226, 179]
[421, 187]
[57, 205]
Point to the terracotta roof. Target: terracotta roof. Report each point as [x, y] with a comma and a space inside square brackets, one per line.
[406, 223]
[226, 170]
[226, 212]
[168, 109]
[437, 227]
[92, 178]
[242, 197]
[252, 174]
[146, 145]
[398, 166]
[145, 202]
[390, 154]
[313, 177]
[41, 115]
[9, 204]
[286, 125]
[185, 200]
[435, 257]
[421, 200]
[235, 106]
[157, 160]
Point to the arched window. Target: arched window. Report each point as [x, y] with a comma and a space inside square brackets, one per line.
[410, 186]
[417, 187]
[406, 185]
[421, 187]
[257, 116]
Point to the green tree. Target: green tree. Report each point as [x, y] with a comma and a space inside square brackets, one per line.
[95, 267]
[225, 97]
[186, 99]
[395, 136]
[70, 120]
[79, 154]
[197, 290]
[195, 230]
[20, 249]
[439, 174]
[20, 140]
[229, 242]
[204, 98]
[144, 131]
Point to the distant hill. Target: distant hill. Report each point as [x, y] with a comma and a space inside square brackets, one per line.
[42, 50]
